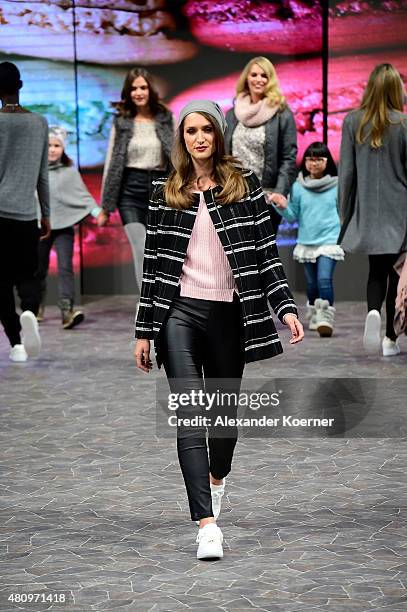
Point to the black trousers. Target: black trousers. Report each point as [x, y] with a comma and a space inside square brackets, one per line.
[135, 194]
[202, 348]
[382, 285]
[19, 261]
[63, 240]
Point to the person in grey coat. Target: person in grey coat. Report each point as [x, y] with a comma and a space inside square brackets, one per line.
[261, 132]
[373, 195]
[70, 202]
[23, 173]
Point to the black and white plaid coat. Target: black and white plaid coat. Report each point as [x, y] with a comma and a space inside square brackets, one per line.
[245, 231]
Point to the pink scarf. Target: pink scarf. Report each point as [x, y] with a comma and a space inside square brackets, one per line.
[253, 114]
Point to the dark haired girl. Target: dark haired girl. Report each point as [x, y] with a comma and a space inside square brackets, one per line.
[313, 203]
[139, 151]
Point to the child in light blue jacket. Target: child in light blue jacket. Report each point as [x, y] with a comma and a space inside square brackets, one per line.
[313, 203]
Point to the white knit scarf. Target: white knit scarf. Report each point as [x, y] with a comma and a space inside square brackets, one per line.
[252, 114]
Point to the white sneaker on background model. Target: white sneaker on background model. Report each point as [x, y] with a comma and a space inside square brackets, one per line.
[390, 347]
[209, 541]
[18, 353]
[371, 336]
[30, 333]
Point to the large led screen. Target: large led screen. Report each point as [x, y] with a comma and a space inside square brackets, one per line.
[74, 55]
[194, 49]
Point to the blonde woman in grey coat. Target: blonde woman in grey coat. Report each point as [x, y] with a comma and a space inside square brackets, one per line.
[261, 132]
[373, 195]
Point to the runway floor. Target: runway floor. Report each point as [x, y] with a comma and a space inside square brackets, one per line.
[93, 506]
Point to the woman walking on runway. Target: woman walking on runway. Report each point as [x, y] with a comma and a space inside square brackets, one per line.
[210, 267]
[139, 151]
[373, 196]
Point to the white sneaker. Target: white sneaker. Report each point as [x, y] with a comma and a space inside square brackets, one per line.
[31, 335]
[209, 540]
[311, 317]
[371, 336]
[18, 353]
[217, 492]
[390, 347]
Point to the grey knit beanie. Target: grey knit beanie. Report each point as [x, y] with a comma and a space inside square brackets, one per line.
[60, 133]
[204, 106]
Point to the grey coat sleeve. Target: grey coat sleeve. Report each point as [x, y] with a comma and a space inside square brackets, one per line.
[347, 171]
[42, 182]
[112, 137]
[287, 169]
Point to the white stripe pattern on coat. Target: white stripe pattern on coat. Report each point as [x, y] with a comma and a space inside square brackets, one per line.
[245, 231]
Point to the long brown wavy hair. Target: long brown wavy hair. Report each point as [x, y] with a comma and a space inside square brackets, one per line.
[126, 107]
[272, 90]
[178, 187]
[384, 92]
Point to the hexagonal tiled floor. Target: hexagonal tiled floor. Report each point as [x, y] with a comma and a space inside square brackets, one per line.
[93, 506]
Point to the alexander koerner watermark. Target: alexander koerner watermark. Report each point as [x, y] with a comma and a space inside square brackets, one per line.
[220, 400]
[282, 407]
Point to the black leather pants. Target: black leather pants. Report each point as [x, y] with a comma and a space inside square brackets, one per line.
[204, 340]
[382, 285]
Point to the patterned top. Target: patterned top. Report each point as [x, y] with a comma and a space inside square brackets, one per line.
[248, 146]
[206, 273]
[144, 150]
[245, 231]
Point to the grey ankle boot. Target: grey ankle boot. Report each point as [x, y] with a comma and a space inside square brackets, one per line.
[311, 317]
[325, 318]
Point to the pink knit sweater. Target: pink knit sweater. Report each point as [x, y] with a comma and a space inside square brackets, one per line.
[206, 273]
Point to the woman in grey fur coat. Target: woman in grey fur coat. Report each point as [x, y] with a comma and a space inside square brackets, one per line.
[139, 152]
[373, 195]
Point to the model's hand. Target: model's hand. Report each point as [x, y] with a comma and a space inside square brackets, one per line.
[277, 199]
[296, 329]
[102, 218]
[45, 228]
[142, 355]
